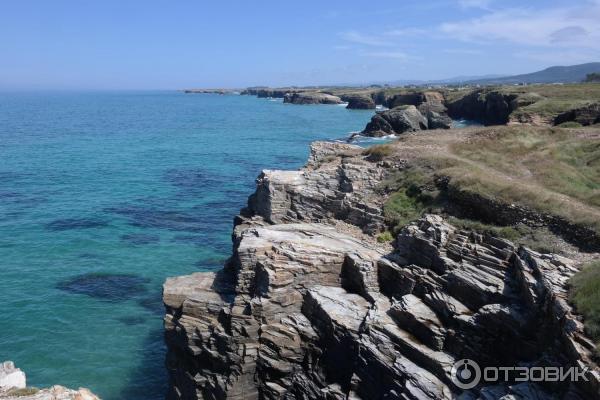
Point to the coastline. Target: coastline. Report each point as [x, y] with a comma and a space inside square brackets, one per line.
[310, 299]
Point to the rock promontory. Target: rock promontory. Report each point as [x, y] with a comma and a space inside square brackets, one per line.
[359, 102]
[311, 306]
[311, 98]
[396, 121]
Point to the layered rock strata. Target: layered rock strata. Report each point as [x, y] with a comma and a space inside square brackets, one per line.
[310, 307]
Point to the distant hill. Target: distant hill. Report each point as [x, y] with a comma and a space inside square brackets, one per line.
[573, 73]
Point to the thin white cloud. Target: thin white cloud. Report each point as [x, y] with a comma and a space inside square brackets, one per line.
[361, 38]
[468, 52]
[406, 32]
[397, 55]
[572, 26]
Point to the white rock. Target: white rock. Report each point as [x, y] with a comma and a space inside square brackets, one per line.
[11, 377]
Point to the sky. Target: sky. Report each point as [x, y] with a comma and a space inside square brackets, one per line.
[160, 44]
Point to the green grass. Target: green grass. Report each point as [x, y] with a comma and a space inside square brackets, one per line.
[585, 295]
[413, 192]
[552, 107]
[539, 239]
[401, 209]
[556, 159]
[548, 170]
[570, 124]
[547, 101]
[385, 237]
[506, 232]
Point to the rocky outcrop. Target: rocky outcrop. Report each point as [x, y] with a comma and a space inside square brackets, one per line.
[428, 100]
[209, 91]
[331, 187]
[493, 107]
[436, 120]
[269, 92]
[412, 112]
[358, 102]
[586, 115]
[11, 377]
[308, 307]
[13, 387]
[395, 121]
[311, 98]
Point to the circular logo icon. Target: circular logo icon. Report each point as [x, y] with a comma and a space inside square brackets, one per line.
[466, 374]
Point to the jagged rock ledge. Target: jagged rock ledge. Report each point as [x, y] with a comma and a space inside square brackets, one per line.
[13, 386]
[309, 306]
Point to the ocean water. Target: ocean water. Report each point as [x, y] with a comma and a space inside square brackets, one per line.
[103, 195]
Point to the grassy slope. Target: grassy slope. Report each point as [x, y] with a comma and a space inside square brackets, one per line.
[560, 98]
[550, 170]
[551, 100]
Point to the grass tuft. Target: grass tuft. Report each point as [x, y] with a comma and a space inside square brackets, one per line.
[378, 152]
[585, 295]
[385, 237]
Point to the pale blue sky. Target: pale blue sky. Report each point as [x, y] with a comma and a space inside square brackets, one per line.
[160, 44]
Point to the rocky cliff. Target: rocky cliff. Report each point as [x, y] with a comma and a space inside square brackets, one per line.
[13, 386]
[311, 306]
[311, 98]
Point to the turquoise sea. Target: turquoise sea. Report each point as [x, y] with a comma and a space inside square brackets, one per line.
[105, 194]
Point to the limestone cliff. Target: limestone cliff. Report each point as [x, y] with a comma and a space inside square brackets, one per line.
[310, 306]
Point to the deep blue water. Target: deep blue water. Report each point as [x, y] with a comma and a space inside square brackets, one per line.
[104, 195]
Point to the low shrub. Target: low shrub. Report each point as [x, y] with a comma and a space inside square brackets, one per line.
[585, 296]
[385, 237]
[378, 152]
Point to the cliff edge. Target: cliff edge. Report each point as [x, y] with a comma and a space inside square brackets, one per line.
[312, 306]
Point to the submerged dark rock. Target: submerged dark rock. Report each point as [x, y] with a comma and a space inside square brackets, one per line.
[132, 320]
[106, 286]
[152, 303]
[150, 217]
[140, 238]
[192, 180]
[75, 223]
